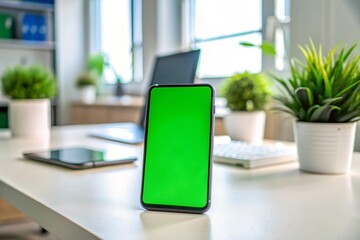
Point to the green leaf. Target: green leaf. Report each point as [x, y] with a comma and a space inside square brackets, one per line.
[247, 44]
[311, 110]
[331, 100]
[347, 117]
[268, 48]
[322, 114]
[302, 114]
[305, 96]
[349, 51]
[265, 47]
[286, 110]
[96, 64]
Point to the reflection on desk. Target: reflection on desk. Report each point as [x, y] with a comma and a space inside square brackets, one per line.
[277, 202]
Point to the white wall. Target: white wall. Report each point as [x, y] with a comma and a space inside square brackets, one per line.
[71, 46]
[169, 22]
[326, 21]
[161, 21]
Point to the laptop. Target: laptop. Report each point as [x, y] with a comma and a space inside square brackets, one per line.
[170, 69]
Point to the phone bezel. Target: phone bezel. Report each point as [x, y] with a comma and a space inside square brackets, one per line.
[161, 207]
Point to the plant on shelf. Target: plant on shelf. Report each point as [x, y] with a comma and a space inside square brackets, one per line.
[247, 96]
[33, 82]
[323, 94]
[30, 90]
[86, 84]
[86, 79]
[98, 63]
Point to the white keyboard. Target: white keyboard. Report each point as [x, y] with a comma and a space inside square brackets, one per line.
[252, 156]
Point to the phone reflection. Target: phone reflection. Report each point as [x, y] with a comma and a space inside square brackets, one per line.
[163, 225]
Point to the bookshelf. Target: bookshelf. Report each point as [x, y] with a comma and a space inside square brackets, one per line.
[23, 45]
[17, 10]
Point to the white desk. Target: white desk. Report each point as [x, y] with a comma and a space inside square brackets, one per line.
[278, 202]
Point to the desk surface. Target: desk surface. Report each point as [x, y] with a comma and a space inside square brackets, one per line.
[277, 202]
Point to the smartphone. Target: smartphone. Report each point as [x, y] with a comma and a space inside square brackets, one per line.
[178, 148]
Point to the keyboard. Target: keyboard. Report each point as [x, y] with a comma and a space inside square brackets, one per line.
[252, 156]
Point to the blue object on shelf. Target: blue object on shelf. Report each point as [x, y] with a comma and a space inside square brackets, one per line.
[34, 27]
[40, 1]
[40, 22]
[28, 27]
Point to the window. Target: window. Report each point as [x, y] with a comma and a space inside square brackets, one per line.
[217, 27]
[281, 39]
[119, 37]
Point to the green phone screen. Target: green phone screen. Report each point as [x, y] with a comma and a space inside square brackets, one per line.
[177, 154]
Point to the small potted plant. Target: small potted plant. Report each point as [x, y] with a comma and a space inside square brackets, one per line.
[86, 83]
[30, 90]
[323, 94]
[247, 95]
[98, 64]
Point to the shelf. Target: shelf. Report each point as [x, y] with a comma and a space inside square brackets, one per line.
[26, 6]
[30, 45]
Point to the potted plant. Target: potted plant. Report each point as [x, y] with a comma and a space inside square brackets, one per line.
[98, 63]
[86, 83]
[30, 90]
[247, 95]
[323, 94]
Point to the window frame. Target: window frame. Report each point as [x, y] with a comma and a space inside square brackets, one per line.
[135, 36]
[268, 9]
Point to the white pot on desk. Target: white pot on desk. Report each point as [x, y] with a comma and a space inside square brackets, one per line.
[30, 117]
[325, 147]
[246, 126]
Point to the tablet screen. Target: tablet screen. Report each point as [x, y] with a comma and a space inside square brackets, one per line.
[78, 157]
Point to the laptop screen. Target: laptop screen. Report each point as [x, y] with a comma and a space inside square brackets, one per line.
[176, 68]
[172, 69]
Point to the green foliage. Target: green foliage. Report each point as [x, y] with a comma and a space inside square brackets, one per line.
[246, 91]
[323, 89]
[86, 79]
[28, 83]
[265, 47]
[96, 64]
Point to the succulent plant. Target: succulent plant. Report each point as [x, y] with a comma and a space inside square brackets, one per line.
[322, 89]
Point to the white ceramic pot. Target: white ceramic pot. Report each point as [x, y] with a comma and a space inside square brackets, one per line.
[29, 118]
[325, 147]
[87, 94]
[246, 126]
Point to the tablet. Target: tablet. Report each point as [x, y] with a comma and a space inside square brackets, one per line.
[81, 158]
[178, 148]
